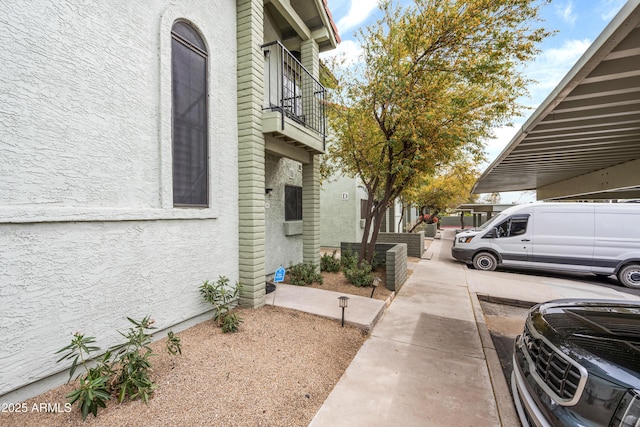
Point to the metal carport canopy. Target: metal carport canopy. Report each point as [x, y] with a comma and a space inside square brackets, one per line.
[583, 141]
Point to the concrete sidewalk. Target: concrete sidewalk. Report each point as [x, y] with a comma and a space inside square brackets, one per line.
[424, 363]
[361, 312]
[429, 360]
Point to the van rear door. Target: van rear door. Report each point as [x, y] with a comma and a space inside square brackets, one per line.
[564, 237]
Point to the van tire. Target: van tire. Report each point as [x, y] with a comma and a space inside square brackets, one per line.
[485, 261]
[629, 275]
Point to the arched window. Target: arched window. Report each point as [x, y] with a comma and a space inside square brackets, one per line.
[189, 115]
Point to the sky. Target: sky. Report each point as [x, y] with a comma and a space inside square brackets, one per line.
[577, 24]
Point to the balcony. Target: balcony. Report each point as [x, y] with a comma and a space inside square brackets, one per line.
[294, 103]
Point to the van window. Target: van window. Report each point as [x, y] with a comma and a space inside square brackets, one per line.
[512, 227]
[491, 221]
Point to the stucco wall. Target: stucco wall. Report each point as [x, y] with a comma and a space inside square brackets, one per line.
[280, 248]
[88, 234]
[340, 211]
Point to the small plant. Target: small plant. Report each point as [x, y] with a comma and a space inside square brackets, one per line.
[304, 274]
[132, 378]
[123, 370]
[376, 262]
[361, 276]
[94, 388]
[231, 322]
[221, 297]
[330, 263]
[349, 260]
[173, 344]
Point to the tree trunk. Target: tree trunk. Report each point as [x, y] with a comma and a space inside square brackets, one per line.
[371, 230]
[367, 230]
[401, 217]
[416, 225]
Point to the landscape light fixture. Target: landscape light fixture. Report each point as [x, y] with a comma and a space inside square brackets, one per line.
[343, 302]
[376, 282]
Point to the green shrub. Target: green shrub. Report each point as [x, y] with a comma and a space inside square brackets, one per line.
[231, 322]
[94, 388]
[221, 297]
[349, 259]
[123, 370]
[132, 357]
[361, 276]
[375, 263]
[304, 274]
[173, 344]
[330, 263]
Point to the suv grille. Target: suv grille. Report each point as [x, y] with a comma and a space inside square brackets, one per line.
[560, 376]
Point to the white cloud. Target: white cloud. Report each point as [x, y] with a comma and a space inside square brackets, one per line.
[351, 50]
[358, 13]
[503, 135]
[610, 8]
[566, 13]
[552, 65]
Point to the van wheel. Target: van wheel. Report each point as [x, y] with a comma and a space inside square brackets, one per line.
[485, 261]
[629, 276]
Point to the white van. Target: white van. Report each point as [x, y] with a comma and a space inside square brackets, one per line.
[600, 238]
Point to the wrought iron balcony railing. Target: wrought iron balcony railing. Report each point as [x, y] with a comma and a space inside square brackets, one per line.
[291, 89]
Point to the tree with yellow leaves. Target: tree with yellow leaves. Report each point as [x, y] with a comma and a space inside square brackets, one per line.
[447, 189]
[435, 78]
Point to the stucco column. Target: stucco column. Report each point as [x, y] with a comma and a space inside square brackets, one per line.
[251, 157]
[311, 212]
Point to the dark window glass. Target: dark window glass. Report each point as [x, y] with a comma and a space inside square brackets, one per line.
[190, 148]
[512, 227]
[363, 208]
[292, 203]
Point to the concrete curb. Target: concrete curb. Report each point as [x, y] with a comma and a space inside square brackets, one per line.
[504, 401]
[384, 308]
[506, 301]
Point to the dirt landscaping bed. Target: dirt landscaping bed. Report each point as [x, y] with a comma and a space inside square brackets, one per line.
[277, 371]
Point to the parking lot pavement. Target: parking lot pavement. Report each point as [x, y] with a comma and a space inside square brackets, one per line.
[541, 287]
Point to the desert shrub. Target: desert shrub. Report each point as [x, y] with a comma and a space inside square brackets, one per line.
[303, 274]
[221, 297]
[231, 322]
[360, 276]
[330, 263]
[349, 259]
[173, 344]
[132, 357]
[123, 370]
[93, 391]
[376, 263]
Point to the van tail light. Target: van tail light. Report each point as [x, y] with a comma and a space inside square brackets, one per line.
[628, 413]
[466, 239]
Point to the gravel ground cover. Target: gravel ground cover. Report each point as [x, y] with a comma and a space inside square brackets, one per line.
[276, 371]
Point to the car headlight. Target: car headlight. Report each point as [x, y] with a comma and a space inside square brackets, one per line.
[628, 413]
[465, 239]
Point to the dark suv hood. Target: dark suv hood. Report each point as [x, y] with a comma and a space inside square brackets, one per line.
[601, 335]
